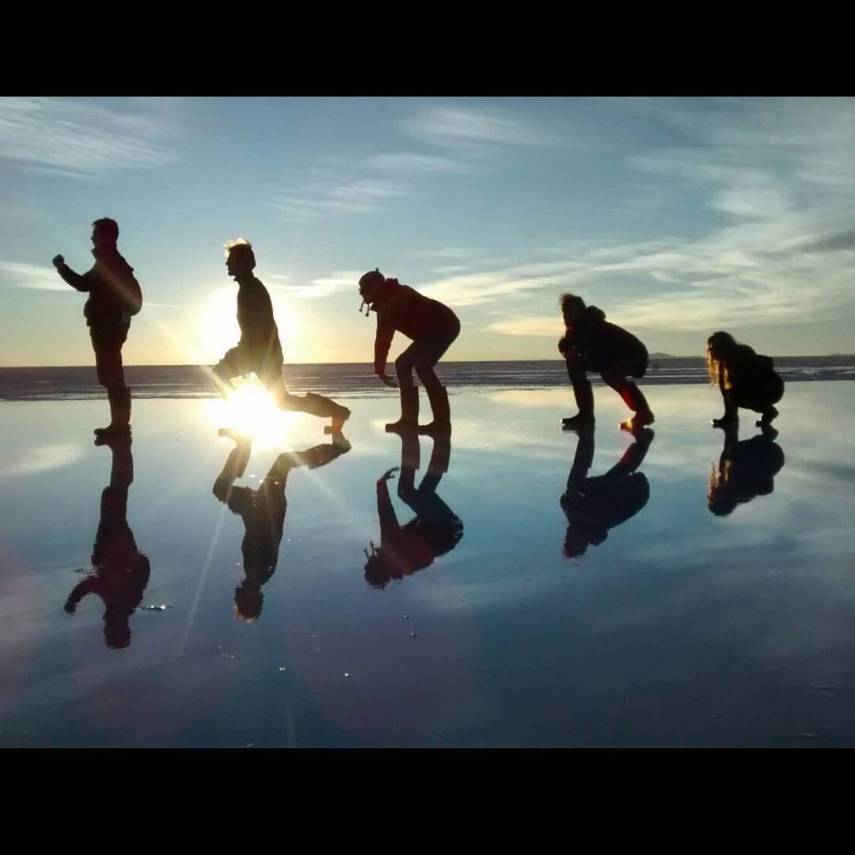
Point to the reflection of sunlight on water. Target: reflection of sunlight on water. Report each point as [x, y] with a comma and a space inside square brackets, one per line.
[44, 459]
[251, 411]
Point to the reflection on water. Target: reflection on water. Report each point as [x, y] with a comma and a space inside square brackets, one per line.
[263, 510]
[434, 530]
[594, 505]
[745, 470]
[120, 571]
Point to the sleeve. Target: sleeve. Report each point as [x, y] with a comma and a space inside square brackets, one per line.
[382, 343]
[76, 280]
[386, 511]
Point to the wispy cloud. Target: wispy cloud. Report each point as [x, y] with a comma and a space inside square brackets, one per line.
[353, 197]
[340, 280]
[82, 139]
[410, 162]
[35, 276]
[459, 126]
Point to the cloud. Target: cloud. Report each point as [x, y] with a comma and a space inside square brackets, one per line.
[458, 126]
[35, 276]
[362, 196]
[340, 280]
[410, 162]
[82, 139]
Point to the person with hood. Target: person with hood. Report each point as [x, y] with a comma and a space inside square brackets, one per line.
[595, 505]
[591, 343]
[120, 571]
[744, 378]
[259, 348]
[432, 326]
[263, 511]
[114, 296]
[434, 531]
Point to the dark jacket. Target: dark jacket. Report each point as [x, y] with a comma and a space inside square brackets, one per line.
[749, 373]
[258, 331]
[402, 309]
[603, 345]
[114, 293]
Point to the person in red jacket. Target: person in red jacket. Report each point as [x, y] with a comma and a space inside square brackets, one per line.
[591, 343]
[114, 296]
[431, 325]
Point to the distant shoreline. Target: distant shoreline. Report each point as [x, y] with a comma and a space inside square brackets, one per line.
[357, 378]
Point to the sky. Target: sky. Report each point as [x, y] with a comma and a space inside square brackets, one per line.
[677, 217]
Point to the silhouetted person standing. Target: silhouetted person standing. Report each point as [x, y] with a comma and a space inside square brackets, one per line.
[114, 296]
[432, 326]
[590, 343]
[259, 349]
[263, 511]
[744, 378]
[120, 571]
[745, 469]
[434, 531]
[595, 505]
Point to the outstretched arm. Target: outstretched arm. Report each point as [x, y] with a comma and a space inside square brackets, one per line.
[385, 510]
[81, 283]
[80, 590]
[382, 343]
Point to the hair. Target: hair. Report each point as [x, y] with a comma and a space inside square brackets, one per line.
[717, 368]
[241, 248]
[572, 300]
[109, 226]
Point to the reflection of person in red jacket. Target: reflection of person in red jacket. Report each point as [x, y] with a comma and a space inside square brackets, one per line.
[431, 325]
[435, 529]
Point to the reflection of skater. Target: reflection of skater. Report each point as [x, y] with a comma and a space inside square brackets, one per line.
[594, 505]
[114, 295]
[120, 571]
[259, 349]
[745, 469]
[263, 511]
[434, 530]
[590, 343]
[744, 378]
[431, 325]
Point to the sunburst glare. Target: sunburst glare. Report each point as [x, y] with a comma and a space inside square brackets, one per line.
[250, 410]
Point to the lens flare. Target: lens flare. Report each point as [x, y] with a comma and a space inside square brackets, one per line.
[250, 410]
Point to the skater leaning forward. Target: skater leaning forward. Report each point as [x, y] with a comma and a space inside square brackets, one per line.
[432, 326]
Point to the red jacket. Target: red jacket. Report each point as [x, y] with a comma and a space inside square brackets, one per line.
[402, 309]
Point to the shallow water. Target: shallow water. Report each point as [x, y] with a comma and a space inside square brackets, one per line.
[676, 628]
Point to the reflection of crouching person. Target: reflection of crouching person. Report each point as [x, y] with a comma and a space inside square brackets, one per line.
[590, 343]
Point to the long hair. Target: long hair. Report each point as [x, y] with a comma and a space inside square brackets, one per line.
[725, 344]
[570, 300]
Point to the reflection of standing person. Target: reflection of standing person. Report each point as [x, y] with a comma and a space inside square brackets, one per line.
[434, 530]
[432, 326]
[114, 295]
[259, 349]
[744, 378]
[120, 571]
[745, 469]
[594, 505]
[263, 511]
[590, 343]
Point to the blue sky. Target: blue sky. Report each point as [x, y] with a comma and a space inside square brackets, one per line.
[678, 217]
